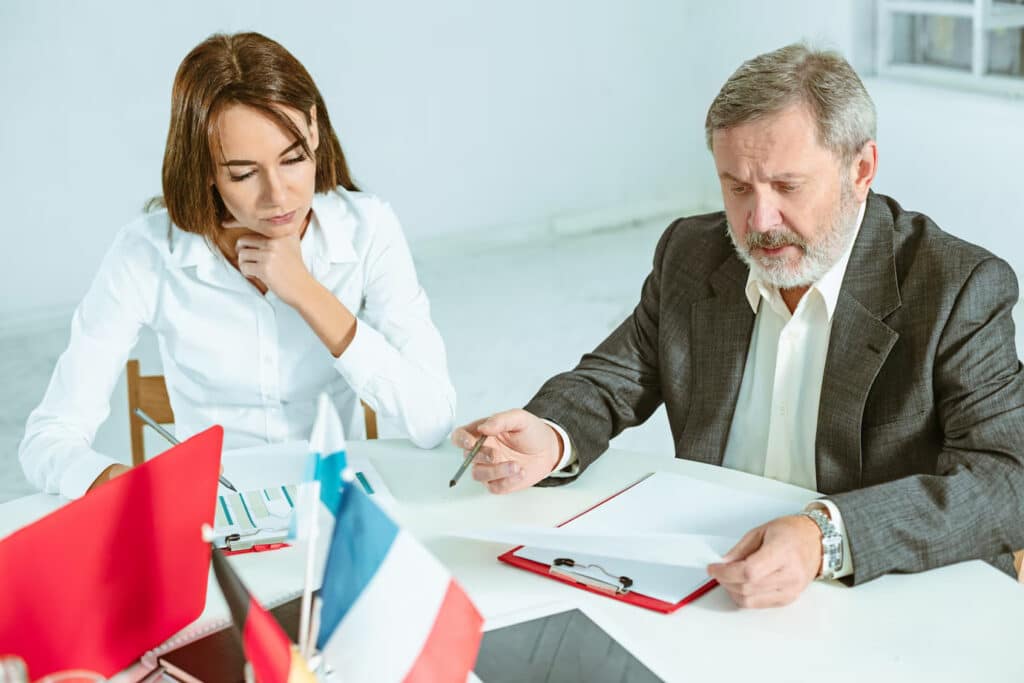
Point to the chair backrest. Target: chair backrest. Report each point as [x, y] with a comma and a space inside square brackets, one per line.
[1018, 564]
[149, 392]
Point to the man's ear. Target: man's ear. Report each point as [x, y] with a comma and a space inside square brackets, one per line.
[864, 168]
[314, 130]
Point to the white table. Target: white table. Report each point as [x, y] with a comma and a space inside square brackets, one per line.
[959, 623]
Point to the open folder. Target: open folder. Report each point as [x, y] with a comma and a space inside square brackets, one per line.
[260, 518]
[249, 520]
[662, 503]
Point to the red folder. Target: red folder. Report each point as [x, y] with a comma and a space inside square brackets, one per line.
[101, 580]
[631, 597]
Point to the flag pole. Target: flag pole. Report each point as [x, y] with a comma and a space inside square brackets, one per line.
[307, 586]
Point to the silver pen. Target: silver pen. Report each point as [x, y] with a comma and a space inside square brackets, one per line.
[174, 442]
[465, 463]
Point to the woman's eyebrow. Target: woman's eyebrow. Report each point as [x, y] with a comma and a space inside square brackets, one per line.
[246, 162]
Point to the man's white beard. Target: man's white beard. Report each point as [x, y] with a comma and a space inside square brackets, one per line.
[817, 258]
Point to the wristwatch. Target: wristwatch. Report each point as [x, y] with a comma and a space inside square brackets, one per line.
[831, 544]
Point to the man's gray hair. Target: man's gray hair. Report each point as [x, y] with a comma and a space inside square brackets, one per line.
[819, 79]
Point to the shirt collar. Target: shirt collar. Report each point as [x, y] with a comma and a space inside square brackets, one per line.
[827, 287]
[336, 216]
[188, 248]
[332, 225]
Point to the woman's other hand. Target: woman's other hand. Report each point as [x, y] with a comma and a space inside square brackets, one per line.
[108, 474]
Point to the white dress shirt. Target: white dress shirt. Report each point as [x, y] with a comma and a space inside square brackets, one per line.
[246, 361]
[775, 422]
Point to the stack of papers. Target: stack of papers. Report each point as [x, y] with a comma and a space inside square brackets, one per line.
[661, 532]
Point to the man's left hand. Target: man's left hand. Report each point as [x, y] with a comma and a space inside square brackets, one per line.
[772, 564]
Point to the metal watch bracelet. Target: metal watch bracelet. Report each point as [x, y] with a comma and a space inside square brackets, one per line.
[831, 544]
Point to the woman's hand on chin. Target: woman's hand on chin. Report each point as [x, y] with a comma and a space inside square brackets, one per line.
[276, 262]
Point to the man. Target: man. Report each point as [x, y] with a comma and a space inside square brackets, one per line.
[817, 333]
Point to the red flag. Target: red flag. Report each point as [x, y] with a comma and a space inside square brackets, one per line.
[101, 580]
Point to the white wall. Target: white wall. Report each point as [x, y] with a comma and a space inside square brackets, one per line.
[468, 116]
[956, 156]
[465, 115]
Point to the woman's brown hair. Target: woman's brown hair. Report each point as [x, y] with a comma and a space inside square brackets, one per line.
[248, 69]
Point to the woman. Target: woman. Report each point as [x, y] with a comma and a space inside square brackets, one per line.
[268, 278]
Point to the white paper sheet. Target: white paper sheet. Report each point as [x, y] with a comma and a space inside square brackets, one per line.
[677, 550]
[664, 503]
[279, 464]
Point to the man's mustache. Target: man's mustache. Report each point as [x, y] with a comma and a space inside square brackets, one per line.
[774, 239]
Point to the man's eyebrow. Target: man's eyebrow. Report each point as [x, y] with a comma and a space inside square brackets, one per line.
[246, 162]
[782, 177]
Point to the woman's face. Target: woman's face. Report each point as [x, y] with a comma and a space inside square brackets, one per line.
[263, 175]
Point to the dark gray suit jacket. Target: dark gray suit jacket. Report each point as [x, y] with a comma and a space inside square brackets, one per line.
[920, 438]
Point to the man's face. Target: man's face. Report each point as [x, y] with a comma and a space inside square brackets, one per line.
[789, 201]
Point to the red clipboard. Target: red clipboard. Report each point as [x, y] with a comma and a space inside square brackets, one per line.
[257, 548]
[638, 599]
[103, 579]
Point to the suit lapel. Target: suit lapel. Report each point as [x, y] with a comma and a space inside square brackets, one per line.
[858, 345]
[720, 331]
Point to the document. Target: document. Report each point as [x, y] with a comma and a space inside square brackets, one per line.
[678, 550]
[272, 473]
[659, 534]
[274, 465]
[249, 518]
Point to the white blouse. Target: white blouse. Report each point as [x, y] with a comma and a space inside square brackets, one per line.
[236, 358]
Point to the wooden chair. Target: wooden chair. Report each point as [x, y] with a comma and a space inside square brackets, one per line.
[149, 392]
[1018, 564]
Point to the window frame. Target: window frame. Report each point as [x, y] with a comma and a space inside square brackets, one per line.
[984, 15]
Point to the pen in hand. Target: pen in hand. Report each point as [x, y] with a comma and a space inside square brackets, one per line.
[174, 442]
[465, 463]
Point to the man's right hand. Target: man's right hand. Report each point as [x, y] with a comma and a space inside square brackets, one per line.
[108, 474]
[521, 449]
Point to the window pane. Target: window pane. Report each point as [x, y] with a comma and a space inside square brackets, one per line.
[1006, 52]
[933, 40]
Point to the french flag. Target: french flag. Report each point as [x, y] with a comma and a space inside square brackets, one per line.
[389, 610]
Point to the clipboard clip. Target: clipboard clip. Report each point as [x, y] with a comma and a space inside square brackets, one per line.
[563, 567]
[238, 543]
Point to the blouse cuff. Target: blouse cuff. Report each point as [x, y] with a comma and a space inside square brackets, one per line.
[82, 472]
